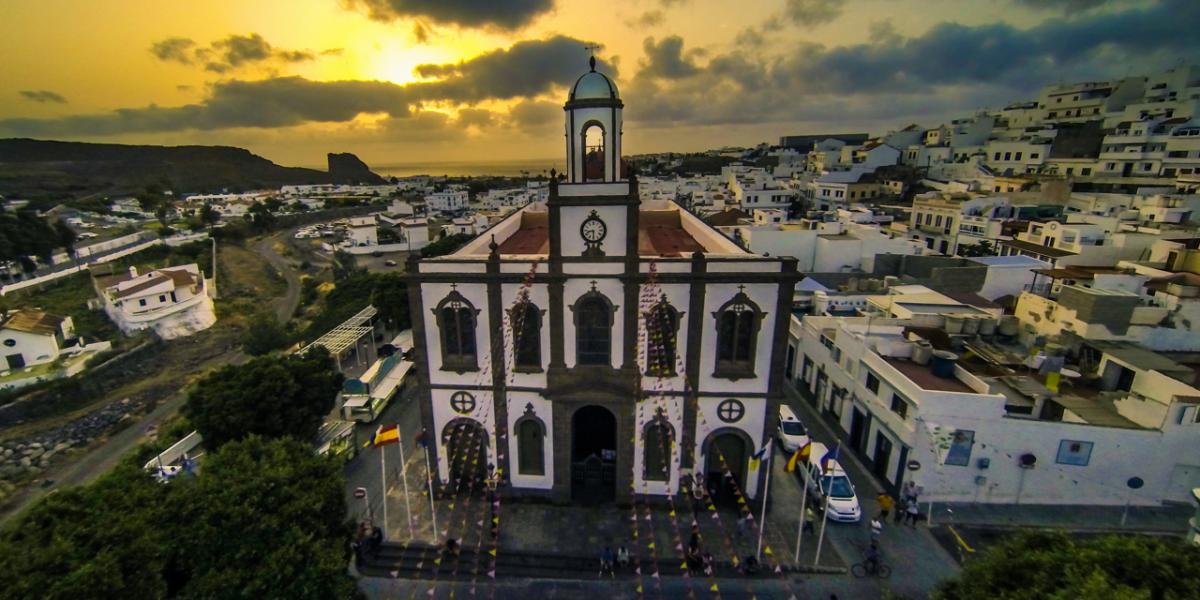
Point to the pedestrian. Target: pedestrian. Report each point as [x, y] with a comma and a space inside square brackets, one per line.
[910, 491]
[742, 524]
[901, 507]
[452, 548]
[876, 530]
[912, 513]
[885, 505]
[376, 541]
[810, 519]
[606, 562]
[623, 557]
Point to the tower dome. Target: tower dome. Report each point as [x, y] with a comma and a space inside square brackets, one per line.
[594, 85]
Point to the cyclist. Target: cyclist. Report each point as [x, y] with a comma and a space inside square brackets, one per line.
[873, 558]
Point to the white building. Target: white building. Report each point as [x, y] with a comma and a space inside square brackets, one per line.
[449, 201]
[989, 429]
[173, 301]
[363, 231]
[33, 337]
[640, 345]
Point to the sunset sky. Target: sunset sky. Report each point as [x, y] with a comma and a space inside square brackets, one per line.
[449, 80]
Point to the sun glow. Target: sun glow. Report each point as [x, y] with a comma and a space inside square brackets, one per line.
[396, 63]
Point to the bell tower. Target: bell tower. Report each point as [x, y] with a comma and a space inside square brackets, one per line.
[593, 129]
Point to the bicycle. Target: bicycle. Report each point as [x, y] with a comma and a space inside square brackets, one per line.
[865, 568]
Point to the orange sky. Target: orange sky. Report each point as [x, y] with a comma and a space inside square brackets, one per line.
[693, 73]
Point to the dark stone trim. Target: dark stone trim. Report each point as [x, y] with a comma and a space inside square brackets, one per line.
[499, 394]
[593, 103]
[572, 172]
[421, 365]
[567, 373]
[776, 375]
[691, 366]
[530, 415]
[557, 273]
[750, 448]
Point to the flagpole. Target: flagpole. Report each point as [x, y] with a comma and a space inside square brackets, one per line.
[825, 510]
[803, 520]
[762, 521]
[404, 478]
[383, 482]
[429, 482]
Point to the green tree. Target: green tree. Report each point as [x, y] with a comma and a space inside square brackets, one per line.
[66, 237]
[1054, 565]
[274, 396]
[106, 540]
[983, 248]
[264, 335]
[446, 245]
[260, 217]
[390, 296]
[24, 233]
[209, 215]
[265, 519]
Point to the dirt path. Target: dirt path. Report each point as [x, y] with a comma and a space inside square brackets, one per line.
[285, 305]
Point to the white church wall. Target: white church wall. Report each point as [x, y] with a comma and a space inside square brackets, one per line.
[762, 294]
[751, 423]
[475, 293]
[672, 408]
[572, 217]
[540, 296]
[518, 404]
[614, 291]
[443, 414]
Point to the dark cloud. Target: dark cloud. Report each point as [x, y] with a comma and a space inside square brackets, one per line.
[1062, 5]
[946, 63]
[231, 53]
[420, 33]
[333, 51]
[813, 12]
[174, 49]
[525, 69]
[478, 117]
[43, 96]
[501, 14]
[535, 114]
[665, 59]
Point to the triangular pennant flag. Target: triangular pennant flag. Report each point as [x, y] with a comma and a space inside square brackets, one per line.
[671, 514]
[495, 520]
[437, 561]
[683, 566]
[778, 569]
[395, 574]
[638, 570]
[767, 551]
[430, 592]
[479, 523]
[713, 588]
[492, 573]
[492, 551]
[716, 516]
[651, 546]
[654, 574]
[639, 588]
[420, 563]
[679, 547]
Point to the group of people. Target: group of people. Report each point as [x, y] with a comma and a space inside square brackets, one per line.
[367, 541]
[610, 561]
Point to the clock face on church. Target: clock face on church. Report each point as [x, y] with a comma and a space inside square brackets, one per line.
[593, 229]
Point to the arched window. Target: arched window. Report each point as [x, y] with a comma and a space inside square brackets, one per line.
[593, 152]
[593, 329]
[456, 320]
[531, 436]
[662, 330]
[526, 322]
[737, 337]
[656, 439]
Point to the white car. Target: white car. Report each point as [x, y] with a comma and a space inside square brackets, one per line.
[832, 481]
[792, 434]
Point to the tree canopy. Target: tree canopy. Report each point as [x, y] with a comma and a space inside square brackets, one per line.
[1056, 566]
[273, 396]
[386, 291]
[24, 233]
[264, 518]
[264, 335]
[446, 245]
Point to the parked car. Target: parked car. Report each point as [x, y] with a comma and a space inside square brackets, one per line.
[389, 263]
[792, 434]
[832, 481]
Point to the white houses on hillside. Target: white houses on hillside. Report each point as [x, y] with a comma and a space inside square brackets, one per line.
[173, 301]
[595, 345]
[32, 337]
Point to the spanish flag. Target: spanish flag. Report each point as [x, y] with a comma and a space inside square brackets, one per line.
[801, 454]
[386, 435]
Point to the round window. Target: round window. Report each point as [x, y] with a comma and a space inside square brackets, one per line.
[10, 342]
[731, 410]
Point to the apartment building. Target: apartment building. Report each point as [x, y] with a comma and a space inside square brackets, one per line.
[975, 418]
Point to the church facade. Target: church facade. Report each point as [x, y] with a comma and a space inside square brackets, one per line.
[594, 346]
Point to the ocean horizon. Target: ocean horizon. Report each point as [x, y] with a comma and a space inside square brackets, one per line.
[504, 168]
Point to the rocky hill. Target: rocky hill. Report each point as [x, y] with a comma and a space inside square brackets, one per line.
[43, 169]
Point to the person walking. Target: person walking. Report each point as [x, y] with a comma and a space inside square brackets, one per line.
[742, 525]
[911, 513]
[901, 506]
[885, 505]
[623, 557]
[810, 519]
[606, 562]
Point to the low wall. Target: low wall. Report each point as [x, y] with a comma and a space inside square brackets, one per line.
[385, 248]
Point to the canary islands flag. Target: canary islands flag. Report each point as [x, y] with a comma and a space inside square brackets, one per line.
[386, 435]
[758, 456]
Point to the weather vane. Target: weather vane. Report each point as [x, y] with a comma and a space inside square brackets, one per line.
[592, 48]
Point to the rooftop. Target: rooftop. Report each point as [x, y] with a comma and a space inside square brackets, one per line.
[1038, 249]
[923, 376]
[34, 321]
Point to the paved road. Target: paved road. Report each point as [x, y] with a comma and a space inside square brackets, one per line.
[101, 458]
[285, 306]
[918, 561]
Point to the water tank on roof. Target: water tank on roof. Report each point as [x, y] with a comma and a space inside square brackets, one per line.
[970, 325]
[943, 364]
[922, 352]
[987, 326]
